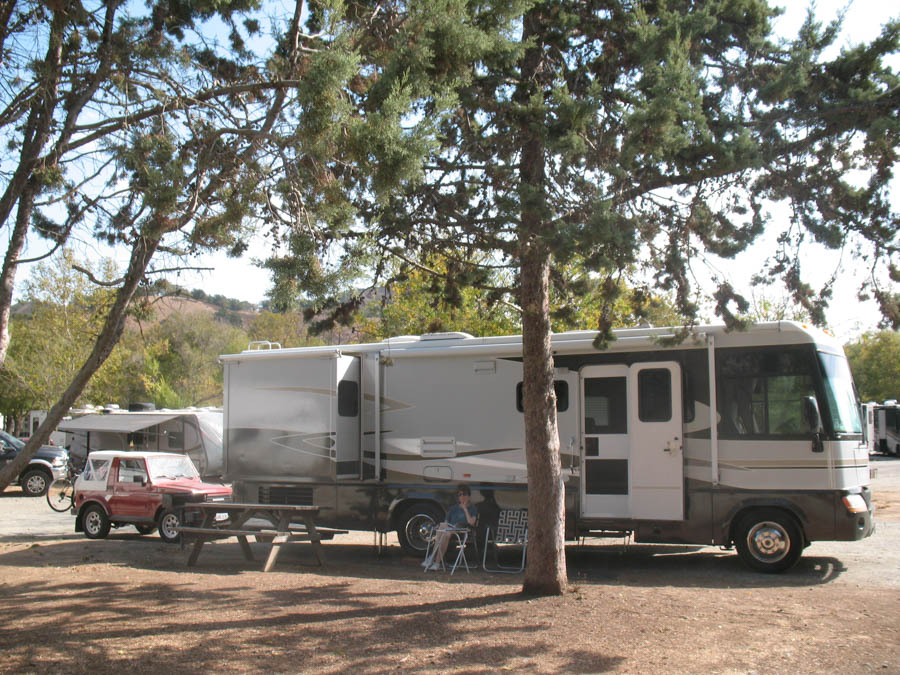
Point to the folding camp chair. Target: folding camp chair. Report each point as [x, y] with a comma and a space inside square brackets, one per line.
[463, 537]
[511, 529]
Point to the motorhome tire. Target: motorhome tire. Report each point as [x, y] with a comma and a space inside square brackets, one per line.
[415, 525]
[768, 540]
[95, 522]
[35, 482]
[168, 527]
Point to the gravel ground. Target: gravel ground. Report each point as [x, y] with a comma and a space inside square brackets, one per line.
[68, 604]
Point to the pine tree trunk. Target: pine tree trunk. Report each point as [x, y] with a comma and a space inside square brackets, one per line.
[546, 570]
[10, 263]
[141, 253]
[22, 186]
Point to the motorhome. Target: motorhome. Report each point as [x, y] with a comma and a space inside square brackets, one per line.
[887, 428]
[751, 438]
[194, 432]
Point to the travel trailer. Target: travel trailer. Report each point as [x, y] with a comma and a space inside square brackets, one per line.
[196, 433]
[751, 438]
[887, 428]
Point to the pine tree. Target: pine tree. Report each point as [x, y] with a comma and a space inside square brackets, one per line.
[637, 136]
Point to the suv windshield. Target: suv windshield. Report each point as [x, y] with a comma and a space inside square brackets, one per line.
[843, 404]
[172, 467]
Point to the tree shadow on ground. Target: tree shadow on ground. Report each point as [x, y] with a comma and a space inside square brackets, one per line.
[333, 627]
[643, 565]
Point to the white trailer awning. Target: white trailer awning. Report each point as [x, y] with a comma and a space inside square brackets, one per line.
[119, 422]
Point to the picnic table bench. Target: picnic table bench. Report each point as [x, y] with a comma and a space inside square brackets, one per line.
[240, 523]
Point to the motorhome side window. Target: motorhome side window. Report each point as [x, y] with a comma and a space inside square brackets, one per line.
[761, 392]
[348, 398]
[561, 387]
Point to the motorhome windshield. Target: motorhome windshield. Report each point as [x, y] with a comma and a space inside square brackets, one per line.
[843, 403]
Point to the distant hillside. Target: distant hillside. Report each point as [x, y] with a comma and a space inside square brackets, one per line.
[164, 306]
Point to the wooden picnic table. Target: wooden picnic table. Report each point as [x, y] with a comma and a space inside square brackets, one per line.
[238, 524]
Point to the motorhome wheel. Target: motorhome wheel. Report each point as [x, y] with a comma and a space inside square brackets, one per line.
[415, 525]
[769, 540]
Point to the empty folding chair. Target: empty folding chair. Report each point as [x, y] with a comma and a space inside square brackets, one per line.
[511, 530]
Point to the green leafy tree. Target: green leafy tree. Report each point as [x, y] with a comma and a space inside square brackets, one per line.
[182, 368]
[287, 329]
[637, 137]
[875, 362]
[418, 302]
[52, 340]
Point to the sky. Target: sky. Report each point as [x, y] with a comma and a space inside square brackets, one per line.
[847, 317]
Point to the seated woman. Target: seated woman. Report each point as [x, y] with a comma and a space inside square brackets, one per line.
[459, 516]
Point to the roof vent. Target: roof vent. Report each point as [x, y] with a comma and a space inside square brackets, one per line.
[401, 338]
[446, 336]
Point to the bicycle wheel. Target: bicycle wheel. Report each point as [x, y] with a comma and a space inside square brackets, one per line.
[60, 493]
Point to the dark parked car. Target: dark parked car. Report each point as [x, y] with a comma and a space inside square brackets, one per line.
[48, 463]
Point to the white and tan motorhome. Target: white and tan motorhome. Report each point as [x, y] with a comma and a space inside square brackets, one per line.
[751, 438]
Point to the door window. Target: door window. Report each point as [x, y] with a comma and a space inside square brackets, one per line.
[655, 395]
[605, 415]
[132, 471]
[604, 406]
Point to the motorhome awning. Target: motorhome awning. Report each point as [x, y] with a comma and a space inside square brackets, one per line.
[123, 423]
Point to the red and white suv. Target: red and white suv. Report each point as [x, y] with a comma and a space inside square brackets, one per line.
[144, 489]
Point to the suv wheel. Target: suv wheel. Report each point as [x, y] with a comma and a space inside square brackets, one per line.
[168, 527]
[35, 482]
[95, 522]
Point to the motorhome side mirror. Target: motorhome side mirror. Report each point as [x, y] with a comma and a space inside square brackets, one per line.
[811, 414]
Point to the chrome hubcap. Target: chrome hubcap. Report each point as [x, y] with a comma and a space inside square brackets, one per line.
[35, 484]
[768, 542]
[418, 530]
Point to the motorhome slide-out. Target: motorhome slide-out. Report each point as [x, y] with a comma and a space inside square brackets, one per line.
[751, 438]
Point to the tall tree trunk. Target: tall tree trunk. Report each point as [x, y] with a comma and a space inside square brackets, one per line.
[10, 262]
[22, 185]
[546, 570]
[141, 253]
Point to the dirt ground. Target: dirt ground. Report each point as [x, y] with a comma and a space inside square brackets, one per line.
[130, 604]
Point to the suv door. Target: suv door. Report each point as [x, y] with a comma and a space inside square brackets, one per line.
[132, 495]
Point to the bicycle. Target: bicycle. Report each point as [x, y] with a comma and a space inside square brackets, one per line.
[61, 492]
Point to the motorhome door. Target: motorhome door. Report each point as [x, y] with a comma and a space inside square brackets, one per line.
[346, 412]
[632, 461]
